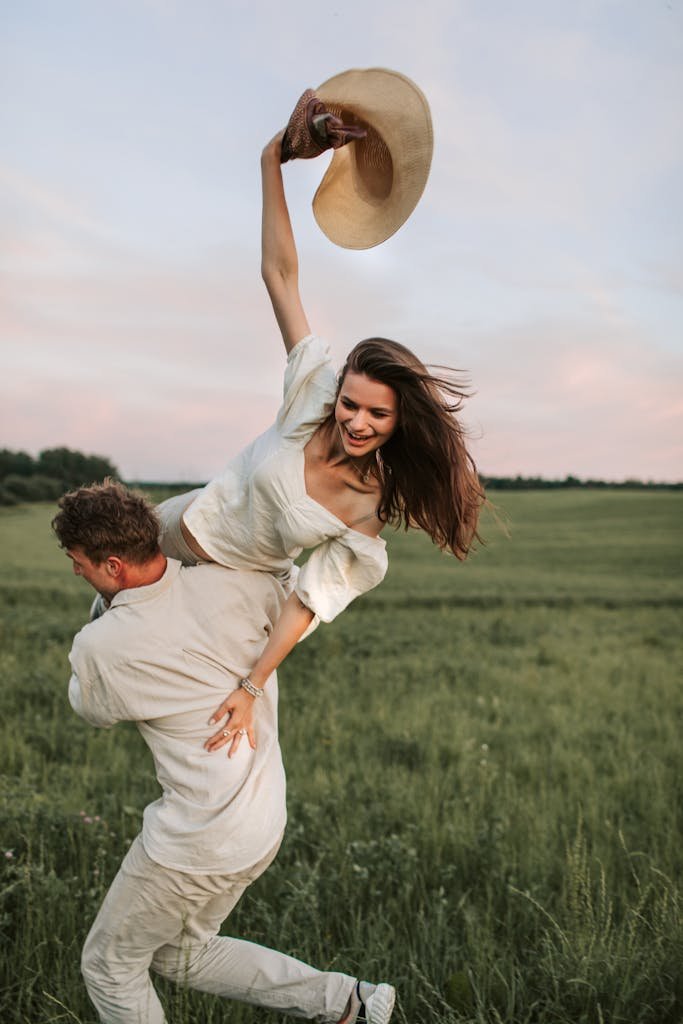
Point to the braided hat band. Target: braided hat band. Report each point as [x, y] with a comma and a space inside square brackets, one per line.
[313, 128]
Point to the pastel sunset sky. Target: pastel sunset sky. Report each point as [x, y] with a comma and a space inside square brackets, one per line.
[544, 259]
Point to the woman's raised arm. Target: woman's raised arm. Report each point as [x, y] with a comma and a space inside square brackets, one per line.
[279, 262]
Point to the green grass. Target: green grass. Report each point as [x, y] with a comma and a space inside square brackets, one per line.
[484, 776]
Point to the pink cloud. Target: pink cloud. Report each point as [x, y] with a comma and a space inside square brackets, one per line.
[553, 400]
[185, 433]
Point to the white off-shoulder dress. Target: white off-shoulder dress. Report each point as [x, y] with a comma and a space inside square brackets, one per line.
[257, 514]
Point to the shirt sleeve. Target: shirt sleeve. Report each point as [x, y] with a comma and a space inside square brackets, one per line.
[84, 701]
[339, 570]
[88, 694]
[310, 387]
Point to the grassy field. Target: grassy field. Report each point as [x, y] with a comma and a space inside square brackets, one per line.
[484, 768]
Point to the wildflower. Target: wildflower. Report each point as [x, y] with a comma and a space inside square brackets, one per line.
[87, 820]
[9, 854]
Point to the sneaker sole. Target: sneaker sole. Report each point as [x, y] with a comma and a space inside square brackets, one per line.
[380, 1005]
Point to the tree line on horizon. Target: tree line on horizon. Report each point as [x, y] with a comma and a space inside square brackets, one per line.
[51, 474]
[54, 471]
[539, 483]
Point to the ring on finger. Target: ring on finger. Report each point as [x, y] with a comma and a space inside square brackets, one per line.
[242, 732]
[226, 733]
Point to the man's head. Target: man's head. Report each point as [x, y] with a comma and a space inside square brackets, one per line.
[111, 535]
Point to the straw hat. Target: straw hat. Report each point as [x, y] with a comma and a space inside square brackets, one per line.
[373, 184]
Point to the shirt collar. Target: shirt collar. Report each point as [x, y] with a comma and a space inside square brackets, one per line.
[134, 595]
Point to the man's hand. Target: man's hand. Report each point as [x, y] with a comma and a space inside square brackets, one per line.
[239, 708]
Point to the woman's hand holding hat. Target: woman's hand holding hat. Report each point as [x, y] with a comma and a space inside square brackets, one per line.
[312, 129]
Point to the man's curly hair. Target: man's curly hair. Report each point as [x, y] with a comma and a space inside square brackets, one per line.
[107, 519]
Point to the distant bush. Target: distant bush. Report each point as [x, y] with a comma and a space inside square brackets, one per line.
[33, 488]
[56, 470]
[20, 463]
[6, 497]
[74, 468]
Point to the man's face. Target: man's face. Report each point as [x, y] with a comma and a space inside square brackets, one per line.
[98, 575]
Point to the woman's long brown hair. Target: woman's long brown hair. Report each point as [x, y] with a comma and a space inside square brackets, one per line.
[429, 479]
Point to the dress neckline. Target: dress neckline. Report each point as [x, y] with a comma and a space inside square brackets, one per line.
[322, 508]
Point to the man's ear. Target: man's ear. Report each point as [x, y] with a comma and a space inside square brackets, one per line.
[114, 566]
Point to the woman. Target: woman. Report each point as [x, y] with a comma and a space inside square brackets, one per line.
[340, 462]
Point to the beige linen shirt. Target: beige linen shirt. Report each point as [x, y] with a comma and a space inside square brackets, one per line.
[165, 656]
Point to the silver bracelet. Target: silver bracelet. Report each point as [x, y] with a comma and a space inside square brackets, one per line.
[253, 691]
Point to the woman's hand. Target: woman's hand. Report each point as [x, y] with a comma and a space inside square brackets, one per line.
[239, 707]
[273, 149]
[294, 619]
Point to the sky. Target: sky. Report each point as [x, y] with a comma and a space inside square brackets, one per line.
[544, 260]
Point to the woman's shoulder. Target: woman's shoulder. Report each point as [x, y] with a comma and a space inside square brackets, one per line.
[307, 357]
[310, 386]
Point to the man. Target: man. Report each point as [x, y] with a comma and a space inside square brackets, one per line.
[170, 642]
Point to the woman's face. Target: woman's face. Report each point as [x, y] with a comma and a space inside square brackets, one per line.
[366, 413]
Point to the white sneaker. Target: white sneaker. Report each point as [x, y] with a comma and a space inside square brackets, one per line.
[379, 1006]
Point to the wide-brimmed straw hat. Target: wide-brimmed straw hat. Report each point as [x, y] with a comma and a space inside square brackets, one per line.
[373, 184]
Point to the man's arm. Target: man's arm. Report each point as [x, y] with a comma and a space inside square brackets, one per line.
[87, 694]
[93, 711]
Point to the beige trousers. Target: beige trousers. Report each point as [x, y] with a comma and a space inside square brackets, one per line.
[171, 541]
[169, 920]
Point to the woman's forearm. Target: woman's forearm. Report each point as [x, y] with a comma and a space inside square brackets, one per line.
[278, 249]
[279, 261]
[293, 622]
[238, 706]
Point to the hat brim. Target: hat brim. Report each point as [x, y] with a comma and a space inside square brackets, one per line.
[373, 185]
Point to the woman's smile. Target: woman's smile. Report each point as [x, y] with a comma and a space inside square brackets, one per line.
[359, 439]
[366, 413]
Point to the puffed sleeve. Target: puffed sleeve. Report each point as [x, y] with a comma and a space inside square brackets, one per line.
[339, 570]
[309, 388]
